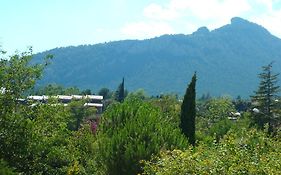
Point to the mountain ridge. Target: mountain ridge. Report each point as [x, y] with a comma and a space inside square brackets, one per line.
[221, 57]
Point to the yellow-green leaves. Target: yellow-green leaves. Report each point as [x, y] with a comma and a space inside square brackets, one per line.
[244, 152]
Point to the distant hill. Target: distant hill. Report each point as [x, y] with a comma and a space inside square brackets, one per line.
[227, 61]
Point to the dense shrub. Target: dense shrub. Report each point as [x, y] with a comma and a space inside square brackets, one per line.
[242, 152]
[5, 169]
[35, 138]
[212, 120]
[132, 131]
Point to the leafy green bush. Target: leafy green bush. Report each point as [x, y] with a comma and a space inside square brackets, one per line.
[5, 169]
[242, 152]
[218, 109]
[36, 139]
[82, 145]
[212, 120]
[169, 106]
[132, 131]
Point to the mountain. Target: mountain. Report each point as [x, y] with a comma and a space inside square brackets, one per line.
[227, 61]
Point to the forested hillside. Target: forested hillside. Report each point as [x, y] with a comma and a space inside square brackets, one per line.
[227, 61]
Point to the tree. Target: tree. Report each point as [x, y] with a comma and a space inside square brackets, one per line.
[241, 105]
[36, 139]
[50, 89]
[265, 97]
[71, 91]
[78, 113]
[105, 92]
[140, 94]
[212, 119]
[17, 75]
[86, 92]
[170, 106]
[217, 109]
[29, 135]
[188, 112]
[55, 89]
[205, 97]
[132, 131]
[120, 93]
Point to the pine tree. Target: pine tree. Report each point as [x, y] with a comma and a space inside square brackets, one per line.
[120, 93]
[188, 112]
[265, 96]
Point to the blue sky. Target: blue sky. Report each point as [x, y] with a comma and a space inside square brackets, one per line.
[46, 24]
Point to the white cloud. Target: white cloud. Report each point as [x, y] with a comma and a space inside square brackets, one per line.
[266, 3]
[143, 30]
[270, 21]
[187, 15]
[158, 12]
[201, 9]
[190, 27]
[210, 13]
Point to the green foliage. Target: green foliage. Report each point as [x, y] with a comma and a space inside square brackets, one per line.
[212, 119]
[47, 145]
[205, 97]
[106, 93]
[5, 169]
[54, 89]
[267, 91]
[53, 139]
[133, 131]
[239, 152]
[18, 75]
[120, 92]
[74, 169]
[79, 113]
[36, 139]
[241, 105]
[51, 89]
[188, 112]
[71, 91]
[83, 146]
[108, 97]
[86, 92]
[265, 98]
[169, 106]
[140, 94]
[217, 109]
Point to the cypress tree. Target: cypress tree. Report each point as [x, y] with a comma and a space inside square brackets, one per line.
[265, 96]
[188, 112]
[120, 93]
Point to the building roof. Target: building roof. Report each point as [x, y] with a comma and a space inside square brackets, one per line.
[35, 97]
[94, 97]
[93, 104]
[64, 97]
[77, 97]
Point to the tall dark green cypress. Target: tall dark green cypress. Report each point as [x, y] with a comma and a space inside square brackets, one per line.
[120, 93]
[188, 112]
